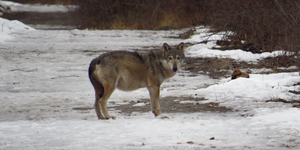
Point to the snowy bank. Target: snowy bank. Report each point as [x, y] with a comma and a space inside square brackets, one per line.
[205, 50]
[17, 7]
[7, 27]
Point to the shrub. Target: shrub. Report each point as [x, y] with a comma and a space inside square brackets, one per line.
[138, 14]
[265, 25]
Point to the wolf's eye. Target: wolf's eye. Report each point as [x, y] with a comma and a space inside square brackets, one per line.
[170, 58]
[178, 57]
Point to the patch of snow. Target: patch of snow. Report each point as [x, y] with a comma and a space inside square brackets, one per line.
[4, 7]
[17, 7]
[242, 93]
[139, 104]
[205, 50]
[7, 27]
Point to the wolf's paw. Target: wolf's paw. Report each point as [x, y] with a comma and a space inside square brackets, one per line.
[111, 117]
[165, 117]
[162, 117]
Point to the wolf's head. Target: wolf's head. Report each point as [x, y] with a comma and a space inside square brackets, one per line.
[172, 58]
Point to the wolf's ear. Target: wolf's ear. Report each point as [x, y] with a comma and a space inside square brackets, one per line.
[166, 47]
[181, 47]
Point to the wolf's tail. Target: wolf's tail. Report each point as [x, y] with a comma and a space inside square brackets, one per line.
[92, 66]
[96, 83]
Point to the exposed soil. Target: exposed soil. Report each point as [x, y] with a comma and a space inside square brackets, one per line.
[223, 67]
[168, 105]
[172, 105]
[214, 67]
[296, 103]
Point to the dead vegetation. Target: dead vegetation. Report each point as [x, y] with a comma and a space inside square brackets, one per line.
[258, 26]
[63, 2]
[237, 73]
[136, 14]
[295, 103]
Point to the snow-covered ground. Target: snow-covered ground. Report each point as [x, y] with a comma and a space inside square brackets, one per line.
[17, 7]
[204, 50]
[44, 78]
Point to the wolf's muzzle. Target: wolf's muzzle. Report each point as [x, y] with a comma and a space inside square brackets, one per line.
[175, 69]
[175, 66]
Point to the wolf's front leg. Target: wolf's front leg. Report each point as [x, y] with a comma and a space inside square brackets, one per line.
[104, 110]
[154, 99]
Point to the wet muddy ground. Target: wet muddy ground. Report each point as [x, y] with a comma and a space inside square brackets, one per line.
[168, 105]
[171, 105]
[223, 67]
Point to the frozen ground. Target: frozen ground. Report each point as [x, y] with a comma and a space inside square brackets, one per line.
[40, 16]
[17, 7]
[46, 98]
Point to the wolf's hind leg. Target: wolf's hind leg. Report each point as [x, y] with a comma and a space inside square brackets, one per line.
[97, 107]
[109, 89]
[99, 90]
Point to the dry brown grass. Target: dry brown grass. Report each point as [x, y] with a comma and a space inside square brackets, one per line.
[136, 14]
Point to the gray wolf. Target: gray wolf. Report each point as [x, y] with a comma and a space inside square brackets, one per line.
[129, 71]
